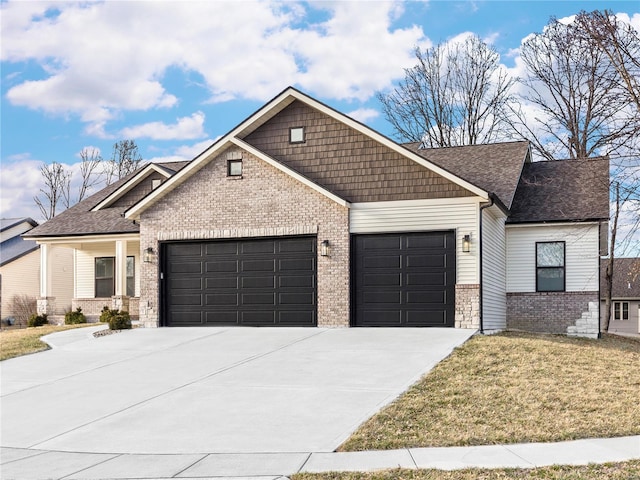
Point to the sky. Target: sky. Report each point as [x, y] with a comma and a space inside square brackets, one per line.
[176, 75]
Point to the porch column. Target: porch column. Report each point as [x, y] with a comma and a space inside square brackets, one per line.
[45, 300]
[120, 301]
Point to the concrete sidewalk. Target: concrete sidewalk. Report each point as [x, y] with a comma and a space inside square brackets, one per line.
[27, 464]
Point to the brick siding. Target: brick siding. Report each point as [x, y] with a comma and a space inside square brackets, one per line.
[548, 312]
[263, 202]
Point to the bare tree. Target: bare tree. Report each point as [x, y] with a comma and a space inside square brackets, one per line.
[56, 186]
[620, 42]
[455, 95]
[575, 90]
[90, 161]
[125, 159]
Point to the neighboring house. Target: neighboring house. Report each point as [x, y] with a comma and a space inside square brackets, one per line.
[625, 295]
[20, 267]
[302, 216]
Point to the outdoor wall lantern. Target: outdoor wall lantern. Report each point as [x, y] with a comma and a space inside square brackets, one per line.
[466, 243]
[325, 250]
[148, 255]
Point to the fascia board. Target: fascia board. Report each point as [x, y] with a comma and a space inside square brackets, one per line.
[292, 173]
[116, 194]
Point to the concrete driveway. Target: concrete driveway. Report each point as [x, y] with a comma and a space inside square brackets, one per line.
[210, 390]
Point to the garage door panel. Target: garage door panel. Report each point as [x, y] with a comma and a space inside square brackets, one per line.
[426, 298]
[297, 246]
[268, 299]
[259, 282]
[404, 279]
[258, 318]
[179, 318]
[386, 242]
[297, 264]
[185, 249]
[222, 318]
[222, 283]
[191, 300]
[426, 261]
[435, 318]
[222, 299]
[249, 266]
[427, 279]
[185, 284]
[296, 298]
[377, 280]
[251, 247]
[221, 248]
[297, 281]
[229, 266]
[186, 267]
[382, 296]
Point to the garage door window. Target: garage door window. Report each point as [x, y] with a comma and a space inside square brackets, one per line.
[105, 277]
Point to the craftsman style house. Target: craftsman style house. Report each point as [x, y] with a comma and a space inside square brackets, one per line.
[302, 216]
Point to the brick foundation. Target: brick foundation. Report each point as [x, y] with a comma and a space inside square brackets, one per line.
[554, 312]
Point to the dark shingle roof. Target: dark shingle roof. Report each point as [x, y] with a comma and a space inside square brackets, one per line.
[562, 190]
[626, 277]
[80, 220]
[494, 168]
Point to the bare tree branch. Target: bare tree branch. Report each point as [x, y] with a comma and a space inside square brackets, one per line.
[455, 95]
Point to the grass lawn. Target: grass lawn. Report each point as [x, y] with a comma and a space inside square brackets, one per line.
[613, 471]
[515, 388]
[22, 341]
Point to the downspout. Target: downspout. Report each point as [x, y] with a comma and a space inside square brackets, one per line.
[482, 207]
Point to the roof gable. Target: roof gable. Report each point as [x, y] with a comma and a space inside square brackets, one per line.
[346, 160]
[562, 191]
[263, 116]
[135, 188]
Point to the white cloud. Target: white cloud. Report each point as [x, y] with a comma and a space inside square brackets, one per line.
[364, 114]
[99, 59]
[19, 182]
[185, 128]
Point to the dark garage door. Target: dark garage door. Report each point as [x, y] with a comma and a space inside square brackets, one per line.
[404, 280]
[256, 282]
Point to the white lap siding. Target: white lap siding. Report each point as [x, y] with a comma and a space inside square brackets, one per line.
[494, 301]
[581, 263]
[85, 265]
[459, 214]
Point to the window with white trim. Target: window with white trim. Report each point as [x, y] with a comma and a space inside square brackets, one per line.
[621, 310]
[550, 266]
[105, 279]
[296, 135]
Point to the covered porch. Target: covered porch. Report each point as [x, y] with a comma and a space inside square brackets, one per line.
[106, 273]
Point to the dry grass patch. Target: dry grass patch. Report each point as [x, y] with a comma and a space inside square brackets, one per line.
[515, 388]
[612, 471]
[17, 342]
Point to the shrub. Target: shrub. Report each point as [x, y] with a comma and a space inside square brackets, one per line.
[72, 318]
[22, 307]
[37, 320]
[107, 314]
[120, 321]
